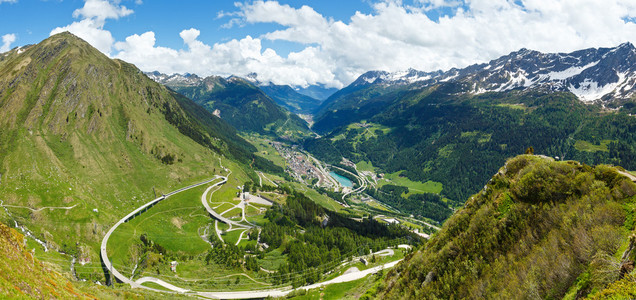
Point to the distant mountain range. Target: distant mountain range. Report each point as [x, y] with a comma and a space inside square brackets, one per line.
[603, 74]
[319, 92]
[297, 100]
[286, 96]
[243, 104]
[595, 75]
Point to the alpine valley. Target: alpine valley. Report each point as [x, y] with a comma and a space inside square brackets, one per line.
[508, 179]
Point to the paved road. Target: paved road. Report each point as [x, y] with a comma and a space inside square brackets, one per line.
[130, 216]
[161, 283]
[322, 170]
[266, 178]
[212, 212]
[355, 275]
[283, 292]
[41, 208]
[628, 175]
[361, 181]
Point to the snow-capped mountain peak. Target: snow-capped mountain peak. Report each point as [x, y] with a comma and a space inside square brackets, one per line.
[591, 74]
[180, 79]
[405, 77]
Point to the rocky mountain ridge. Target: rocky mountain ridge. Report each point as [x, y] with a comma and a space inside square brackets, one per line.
[239, 102]
[592, 74]
[284, 95]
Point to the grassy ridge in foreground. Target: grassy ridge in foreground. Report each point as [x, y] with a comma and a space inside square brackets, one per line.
[551, 229]
[24, 277]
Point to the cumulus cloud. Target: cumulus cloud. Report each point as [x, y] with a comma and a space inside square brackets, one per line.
[7, 40]
[235, 57]
[101, 10]
[433, 4]
[93, 16]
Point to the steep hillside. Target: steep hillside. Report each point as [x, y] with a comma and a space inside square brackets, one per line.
[85, 139]
[360, 100]
[290, 99]
[238, 102]
[539, 229]
[22, 276]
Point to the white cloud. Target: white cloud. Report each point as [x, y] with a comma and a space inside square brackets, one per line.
[101, 10]
[93, 16]
[235, 57]
[8, 1]
[189, 36]
[7, 40]
[439, 3]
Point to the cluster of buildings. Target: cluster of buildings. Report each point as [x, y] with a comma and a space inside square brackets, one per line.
[301, 167]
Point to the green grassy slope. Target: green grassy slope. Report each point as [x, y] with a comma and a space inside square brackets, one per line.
[540, 228]
[85, 139]
[23, 276]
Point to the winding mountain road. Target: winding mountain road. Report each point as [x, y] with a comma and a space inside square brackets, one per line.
[361, 181]
[282, 292]
[104, 254]
[107, 264]
[213, 213]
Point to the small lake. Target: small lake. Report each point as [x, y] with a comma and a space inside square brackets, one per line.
[344, 181]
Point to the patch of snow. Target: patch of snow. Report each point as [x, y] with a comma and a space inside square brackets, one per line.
[394, 76]
[370, 79]
[520, 79]
[569, 72]
[450, 78]
[409, 76]
[480, 90]
[416, 78]
[517, 79]
[589, 90]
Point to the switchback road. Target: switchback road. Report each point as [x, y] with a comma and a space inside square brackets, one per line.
[104, 254]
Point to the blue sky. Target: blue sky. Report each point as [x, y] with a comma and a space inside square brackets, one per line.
[302, 42]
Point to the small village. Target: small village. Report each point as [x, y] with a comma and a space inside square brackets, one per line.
[304, 168]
